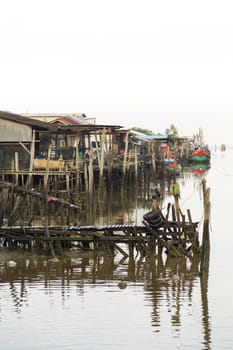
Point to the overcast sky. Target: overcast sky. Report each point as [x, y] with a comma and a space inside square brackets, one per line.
[144, 63]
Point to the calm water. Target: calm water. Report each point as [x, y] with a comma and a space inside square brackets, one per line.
[78, 302]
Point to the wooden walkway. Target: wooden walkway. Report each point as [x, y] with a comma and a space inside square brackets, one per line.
[176, 239]
[156, 235]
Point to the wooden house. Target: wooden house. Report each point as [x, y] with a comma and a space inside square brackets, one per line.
[20, 140]
[30, 144]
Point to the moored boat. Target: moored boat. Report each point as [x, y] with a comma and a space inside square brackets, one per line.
[200, 168]
[200, 155]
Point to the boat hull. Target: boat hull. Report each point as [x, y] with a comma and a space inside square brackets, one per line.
[200, 159]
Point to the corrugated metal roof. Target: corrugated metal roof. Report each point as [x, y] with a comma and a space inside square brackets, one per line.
[36, 124]
[55, 115]
[145, 137]
[69, 120]
[39, 125]
[160, 137]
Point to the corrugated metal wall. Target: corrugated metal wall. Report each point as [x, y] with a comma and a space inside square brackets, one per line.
[14, 132]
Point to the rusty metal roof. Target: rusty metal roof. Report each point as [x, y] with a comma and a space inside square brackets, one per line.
[68, 120]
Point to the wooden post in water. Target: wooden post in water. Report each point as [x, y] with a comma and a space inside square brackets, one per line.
[97, 149]
[102, 153]
[77, 161]
[136, 161]
[205, 249]
[126, 152]
[86, 175]
[32, 155]
[153, 160]
[50, 242]
[67, 179]
[47, 168]
[91, 171]
[16, 168]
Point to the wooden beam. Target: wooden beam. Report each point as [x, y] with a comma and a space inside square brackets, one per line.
[24, 147]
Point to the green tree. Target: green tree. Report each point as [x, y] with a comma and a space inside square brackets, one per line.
[143, 131]
[172, 131]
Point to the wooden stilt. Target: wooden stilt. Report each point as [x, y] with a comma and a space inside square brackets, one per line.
[126, 152]
[32, 156]
[205, 248]
[16, 168]
[102, 153]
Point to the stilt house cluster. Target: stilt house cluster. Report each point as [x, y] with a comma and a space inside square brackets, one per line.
[52, 144]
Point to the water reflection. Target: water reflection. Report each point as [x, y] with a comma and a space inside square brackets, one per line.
[168, 284]
[205, 307]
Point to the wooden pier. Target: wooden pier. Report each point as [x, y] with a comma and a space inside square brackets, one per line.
[173, 233]
[173, 238]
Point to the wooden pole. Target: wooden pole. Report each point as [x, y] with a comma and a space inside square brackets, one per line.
[50, 242]
[67, 181]
[153, 155]
[136, 161]
[126, 152]
[97, 149]
[16, 168]
[110, 156]
[205, 249]
[32, 156]
[47, 168]
[86, 175]
[91, 171]
[102, 153]
[77, 159]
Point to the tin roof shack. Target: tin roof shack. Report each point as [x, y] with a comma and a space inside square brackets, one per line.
[19, 141]
[75, 131]
[29, 146]
[81, 145]
[132, 149]
[140, 150]
[178, 147]
[76, 141]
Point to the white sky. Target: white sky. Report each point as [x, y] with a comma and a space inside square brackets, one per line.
[126, 62]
